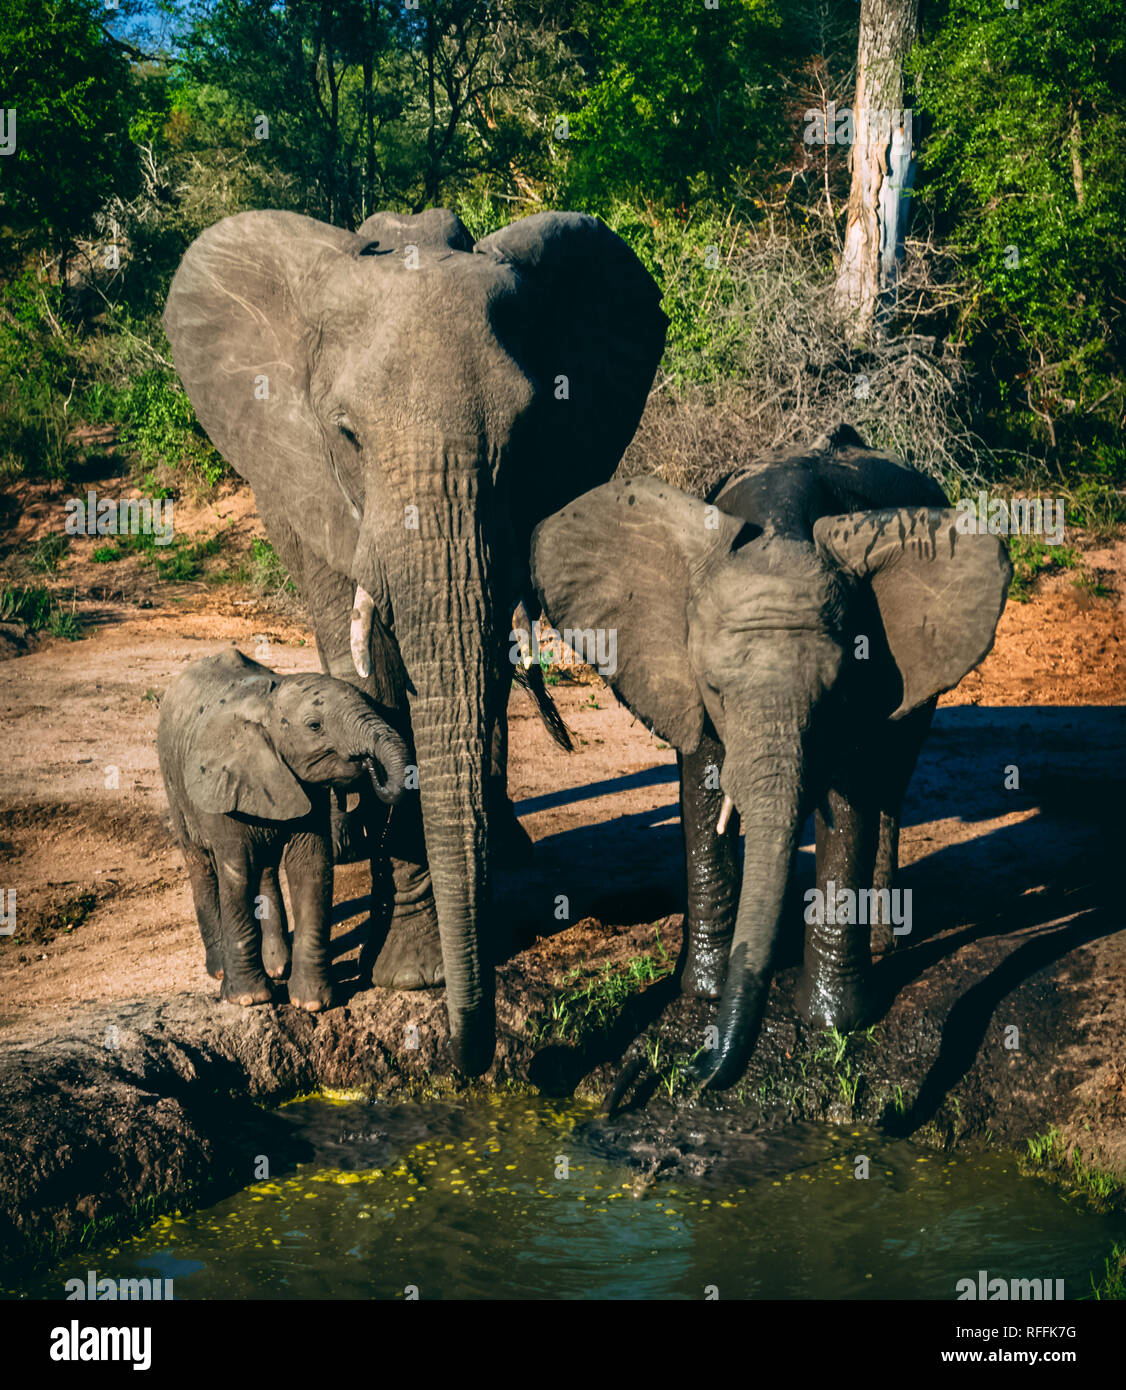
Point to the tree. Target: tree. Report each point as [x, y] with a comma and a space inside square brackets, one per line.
[882, 162]
[70, 87]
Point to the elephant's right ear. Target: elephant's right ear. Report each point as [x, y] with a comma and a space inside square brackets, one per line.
[240, 343]
[622, 558]
[231, 765]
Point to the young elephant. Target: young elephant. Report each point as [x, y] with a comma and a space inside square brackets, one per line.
[795, 633]
[249, 760]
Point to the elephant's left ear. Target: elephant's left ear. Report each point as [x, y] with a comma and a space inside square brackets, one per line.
[940, 591]
[592, 334]
[231, 765]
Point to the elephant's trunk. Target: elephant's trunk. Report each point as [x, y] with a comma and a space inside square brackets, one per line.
[438, 575]
[385, 760]
[764, 778]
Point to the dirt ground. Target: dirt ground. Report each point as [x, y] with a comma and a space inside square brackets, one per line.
[104, 909]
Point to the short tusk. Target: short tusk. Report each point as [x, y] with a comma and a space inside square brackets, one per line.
[363, 611]
[724, 815]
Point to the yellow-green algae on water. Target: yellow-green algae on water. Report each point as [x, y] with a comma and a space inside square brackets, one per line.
[503, 1197]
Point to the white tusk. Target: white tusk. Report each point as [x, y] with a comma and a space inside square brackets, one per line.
[363, 611]
[724, 815]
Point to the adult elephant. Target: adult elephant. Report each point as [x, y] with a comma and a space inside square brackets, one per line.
[789, 637]
[407, 405]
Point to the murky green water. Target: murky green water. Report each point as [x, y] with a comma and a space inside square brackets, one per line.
[504, 1198]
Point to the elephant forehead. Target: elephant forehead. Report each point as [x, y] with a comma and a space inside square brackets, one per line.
[750, 593]
[354, 289]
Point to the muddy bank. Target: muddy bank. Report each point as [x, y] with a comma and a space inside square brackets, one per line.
[109, 1110]
[1004, 1010]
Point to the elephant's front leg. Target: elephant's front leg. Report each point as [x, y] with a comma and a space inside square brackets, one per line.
[712, 868]
[308, 871]
[238, 871]
[835, 988]
[896, 753]
[275, 929]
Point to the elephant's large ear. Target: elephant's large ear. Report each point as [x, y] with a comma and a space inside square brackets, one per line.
[592, 335]
[231, 765]
[940, 591]
[622, 558]
[241, 343]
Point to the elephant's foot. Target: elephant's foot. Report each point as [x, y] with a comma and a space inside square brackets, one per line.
[411, 954]
[705, 968]
[843, 1003]
[310, 993]
[247, 991]
[275, 956]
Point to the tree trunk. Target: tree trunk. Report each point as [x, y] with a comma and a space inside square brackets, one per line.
[882, 163]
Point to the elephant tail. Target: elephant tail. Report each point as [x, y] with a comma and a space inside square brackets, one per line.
[531, 679]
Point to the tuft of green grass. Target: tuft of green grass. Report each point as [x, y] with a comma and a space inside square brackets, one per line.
[39, 610]
[1031, 558]
[1051, 1152]
[47, 553]
[1112, 1285]
[597, 1001]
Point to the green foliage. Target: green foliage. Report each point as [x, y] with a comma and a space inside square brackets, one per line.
[1031, 558]
[686, 100]
[1026, 167]
[37, 376]
[158, 424]
[265, 570]
[71, 89]
[1112, 1283]
[39, 610]
[596, 1002]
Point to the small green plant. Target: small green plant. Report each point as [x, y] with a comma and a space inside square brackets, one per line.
[1031, 558]
[39, 610]
[1042, 1148]
[839, 1041]
[596, 1002]
[848, 1083]
[265, 570]
[1112, 1284]
[550, 671]
[47, 553]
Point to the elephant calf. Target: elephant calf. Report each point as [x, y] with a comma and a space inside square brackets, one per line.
[789, 638]
[249, 760]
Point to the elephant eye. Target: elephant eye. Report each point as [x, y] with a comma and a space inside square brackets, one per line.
[314, 724]
[348, 434]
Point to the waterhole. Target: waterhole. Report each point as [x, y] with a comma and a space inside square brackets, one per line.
[527, 1198]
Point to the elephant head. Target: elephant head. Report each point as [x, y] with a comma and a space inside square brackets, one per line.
[754, 631]
[416, 403]
[263, 736]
